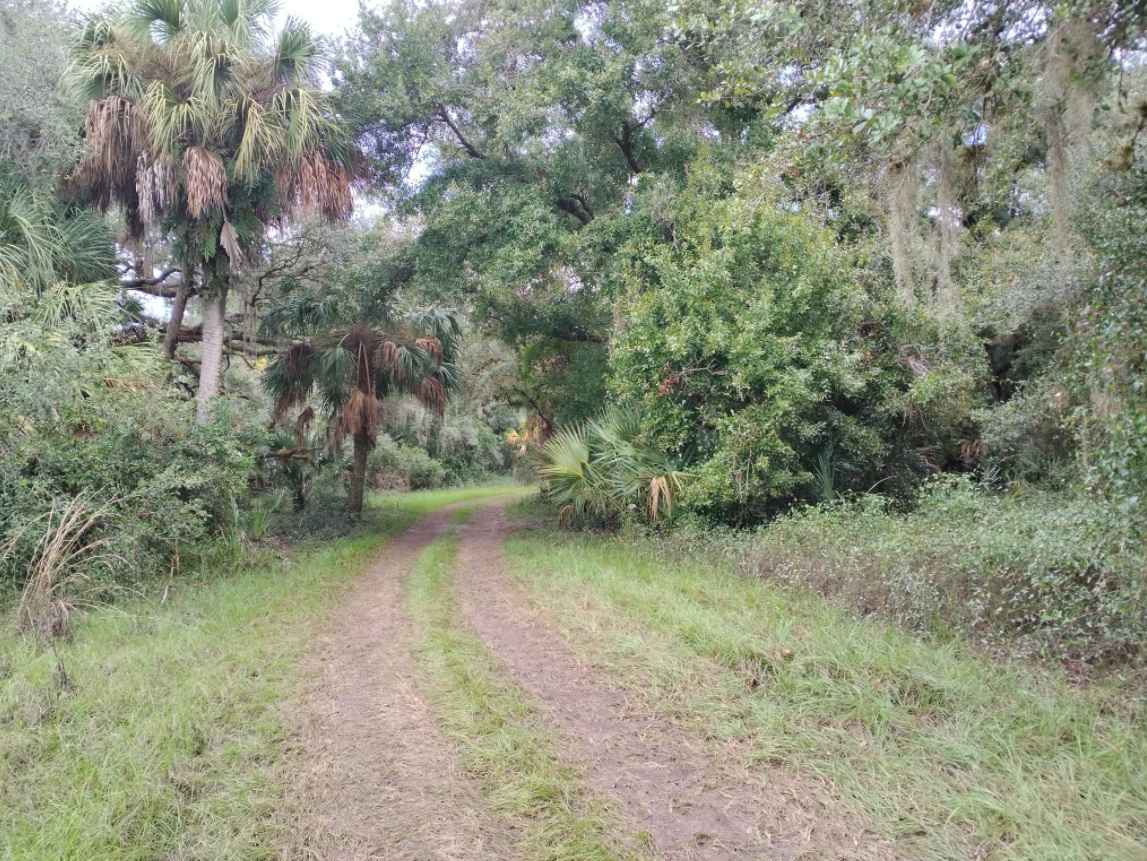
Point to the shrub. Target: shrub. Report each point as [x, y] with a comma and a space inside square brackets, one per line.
[1026, 570]
[166, 481]
[601, 469]
[394, 466]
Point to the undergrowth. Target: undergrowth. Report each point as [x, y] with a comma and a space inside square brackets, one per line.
[497, 732]
[936, 747]
[1026, 573]
[156, 730]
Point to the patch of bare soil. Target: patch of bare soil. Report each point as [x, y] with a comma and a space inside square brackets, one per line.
[373, 777]
[691, 798]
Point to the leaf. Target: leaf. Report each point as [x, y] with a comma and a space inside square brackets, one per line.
[229, 239]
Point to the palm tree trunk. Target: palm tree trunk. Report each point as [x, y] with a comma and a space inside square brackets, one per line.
[214, 313]
[358, 473]
[171, 336]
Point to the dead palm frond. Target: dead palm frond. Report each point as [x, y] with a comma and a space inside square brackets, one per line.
[205, 179]
[360, 415]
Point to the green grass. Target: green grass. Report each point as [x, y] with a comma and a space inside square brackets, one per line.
[950, 755]
[171, 742]
[499, 736]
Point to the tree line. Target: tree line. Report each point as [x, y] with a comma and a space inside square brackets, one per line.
[807, 251]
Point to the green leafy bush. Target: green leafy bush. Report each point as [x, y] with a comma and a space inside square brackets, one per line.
[1027, 570]
[167, 482]
[744, 344]
[394, 466]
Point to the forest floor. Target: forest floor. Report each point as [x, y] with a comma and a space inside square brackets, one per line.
[460, 681]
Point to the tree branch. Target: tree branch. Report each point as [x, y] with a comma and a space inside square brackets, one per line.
[575, 206]
[472, 150]
[625, 143]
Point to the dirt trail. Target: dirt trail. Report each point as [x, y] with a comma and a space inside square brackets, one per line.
[375, 779]
[692, 804]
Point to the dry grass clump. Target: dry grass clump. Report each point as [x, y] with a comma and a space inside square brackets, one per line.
[61, 557]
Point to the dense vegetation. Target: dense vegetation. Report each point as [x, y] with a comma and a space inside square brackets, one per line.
[883, 259]
[821, 326]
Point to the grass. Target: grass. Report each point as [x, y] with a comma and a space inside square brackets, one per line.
[496, 730]
[946, 753]
[163, 737]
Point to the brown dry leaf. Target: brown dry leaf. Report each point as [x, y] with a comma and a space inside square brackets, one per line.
[229, 239]
[206, 181]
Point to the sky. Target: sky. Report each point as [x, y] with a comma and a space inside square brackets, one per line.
[326, 17]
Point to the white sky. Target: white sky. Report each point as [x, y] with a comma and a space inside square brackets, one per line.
[327, 17]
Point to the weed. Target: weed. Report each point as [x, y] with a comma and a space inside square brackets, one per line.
[63, 552]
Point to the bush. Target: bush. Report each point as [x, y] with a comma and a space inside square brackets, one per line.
[394, 466]
[601, 471]
[165, 481]
[1027, 571]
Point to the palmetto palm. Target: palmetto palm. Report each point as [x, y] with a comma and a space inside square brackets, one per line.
[352, 367]
[205, 124]
[600, 467]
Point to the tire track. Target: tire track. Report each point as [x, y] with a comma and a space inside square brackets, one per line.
[688, 802]
[373, 776]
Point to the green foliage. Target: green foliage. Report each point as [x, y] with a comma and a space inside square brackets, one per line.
[600, 469]
[743, 343]
[169, 483]
[1113, 415]
[531, 118]
[394, 466]
[1023, 573]
[39, 122]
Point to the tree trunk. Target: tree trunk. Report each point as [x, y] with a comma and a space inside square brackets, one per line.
[171, 336]
[214, 322]
[358, 473]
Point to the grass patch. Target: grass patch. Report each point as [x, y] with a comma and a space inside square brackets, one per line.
[948, 754]
[498, 734]
[166, 737]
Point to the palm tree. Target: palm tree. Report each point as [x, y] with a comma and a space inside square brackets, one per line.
[599, 468]
[204, 124]
[354, 366]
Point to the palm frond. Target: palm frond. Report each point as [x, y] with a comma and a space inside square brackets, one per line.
[431, 394]
[295, 53]
[206, 180]
[361, 414]
[162, 19]
[602, 467]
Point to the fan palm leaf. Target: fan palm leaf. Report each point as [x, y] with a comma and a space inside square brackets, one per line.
[600, 467]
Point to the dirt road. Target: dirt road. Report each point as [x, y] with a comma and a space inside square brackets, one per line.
[377, 779]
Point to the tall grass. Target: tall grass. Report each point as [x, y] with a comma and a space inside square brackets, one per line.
[65, 549]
